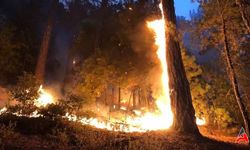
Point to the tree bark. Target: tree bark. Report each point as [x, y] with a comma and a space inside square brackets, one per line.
[42, 58]
[100, 24]
[139, 98]
[240, 4]
[181, 101]
[134, 99]
[105, 97]
[232, 76]
[112, 97]
[119, 97]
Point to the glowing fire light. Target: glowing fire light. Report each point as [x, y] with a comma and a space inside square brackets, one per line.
[123, 108]
[165, 119]
[161, 119]
[44, 98]
[200, 121]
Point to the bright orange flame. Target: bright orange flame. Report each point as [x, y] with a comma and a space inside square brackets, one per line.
[157, 120]
[200, 121]
[164, 118]
[44, 98]
[161, 119]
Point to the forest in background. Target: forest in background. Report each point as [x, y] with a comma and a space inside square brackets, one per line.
[101, 52]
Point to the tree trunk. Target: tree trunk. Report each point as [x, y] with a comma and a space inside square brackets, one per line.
[119, 97]
[232, 77]
[105, 97]
[240, 4]
[139, 98]
[134, 99]
[42, 58]
[100, 24]
[112, 97]
[181, 101]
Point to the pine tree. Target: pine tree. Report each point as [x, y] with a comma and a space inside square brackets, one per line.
[42, 58]
[181, 100]
[220, 28]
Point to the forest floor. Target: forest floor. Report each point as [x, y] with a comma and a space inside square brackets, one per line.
[43, 133]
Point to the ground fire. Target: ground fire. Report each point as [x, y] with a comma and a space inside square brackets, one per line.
[161, 118]
[125, 74]
[44, 98]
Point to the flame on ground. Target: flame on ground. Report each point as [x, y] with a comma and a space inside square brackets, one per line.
[44, 98]
[157, 120]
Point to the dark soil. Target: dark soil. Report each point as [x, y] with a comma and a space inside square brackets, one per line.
[43, 133]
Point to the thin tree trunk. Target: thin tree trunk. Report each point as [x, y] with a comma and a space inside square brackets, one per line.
[181, 101]
[134, 99]
[139, 98]
[42, 58]
[148, 98]
[232, 76]
[100, 24]
[105, 97]
[112, 97]
[119, 97]
[240, 4]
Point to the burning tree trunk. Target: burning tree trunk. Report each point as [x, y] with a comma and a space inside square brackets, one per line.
[232, 75]
[181, 101]
[42, 58]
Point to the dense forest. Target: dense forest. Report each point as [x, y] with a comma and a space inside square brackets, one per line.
[95, 67]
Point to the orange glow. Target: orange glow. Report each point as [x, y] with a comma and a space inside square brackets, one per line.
[200, 121]
[141, 121]
[157, 120]
[164, 118]
[44, 98]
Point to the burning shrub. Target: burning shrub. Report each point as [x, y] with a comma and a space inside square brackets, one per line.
[52, 111]
[72, 102]
[25, 93]
[88, 114]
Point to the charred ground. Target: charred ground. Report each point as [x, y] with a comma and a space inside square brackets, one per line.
[42, 133]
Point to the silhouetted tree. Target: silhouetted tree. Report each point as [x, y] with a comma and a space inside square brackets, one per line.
[181, 101]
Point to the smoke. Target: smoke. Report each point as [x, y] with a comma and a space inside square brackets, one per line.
[142, 40]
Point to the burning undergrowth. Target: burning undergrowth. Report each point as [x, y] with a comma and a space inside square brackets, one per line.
[114, 118]
[33, 100]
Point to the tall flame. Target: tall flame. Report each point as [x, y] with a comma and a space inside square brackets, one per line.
[157, 120]
[163, 102]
